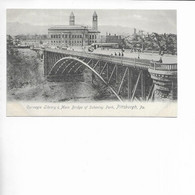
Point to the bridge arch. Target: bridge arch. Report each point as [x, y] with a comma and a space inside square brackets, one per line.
[89, 67]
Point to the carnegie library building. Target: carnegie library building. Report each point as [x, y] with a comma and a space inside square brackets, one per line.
[74, 35]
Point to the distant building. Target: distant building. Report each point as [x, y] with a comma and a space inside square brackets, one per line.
[33, 40]
[74, 35]
[141, 33]
[102, 39]
[113, 38]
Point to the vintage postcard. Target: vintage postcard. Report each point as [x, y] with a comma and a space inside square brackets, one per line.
[63, 62]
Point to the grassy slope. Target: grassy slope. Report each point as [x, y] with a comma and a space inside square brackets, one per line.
[25, 81]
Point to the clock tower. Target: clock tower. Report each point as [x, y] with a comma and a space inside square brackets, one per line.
[95, 21]
[72, 19]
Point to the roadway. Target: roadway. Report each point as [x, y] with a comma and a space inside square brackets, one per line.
[166, 58]
[129, 58]
[126, 61]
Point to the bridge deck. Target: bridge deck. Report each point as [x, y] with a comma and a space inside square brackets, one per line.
[140, 63]
[120, 60]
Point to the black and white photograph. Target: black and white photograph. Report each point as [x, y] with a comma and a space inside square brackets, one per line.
[84, 56]
[97, 97]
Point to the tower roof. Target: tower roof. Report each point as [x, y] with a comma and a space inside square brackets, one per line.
[71, 14]
[94, 13]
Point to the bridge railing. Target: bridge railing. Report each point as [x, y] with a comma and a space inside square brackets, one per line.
[163, 66]
[142, 63]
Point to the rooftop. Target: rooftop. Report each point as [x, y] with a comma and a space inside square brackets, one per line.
[71, 14]
[74, 27]
[61, 27]
[94, 14]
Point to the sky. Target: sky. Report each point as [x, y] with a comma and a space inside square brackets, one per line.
[161, 21]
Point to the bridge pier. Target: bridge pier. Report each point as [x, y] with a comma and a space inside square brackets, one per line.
[165, 81]
[45, 62]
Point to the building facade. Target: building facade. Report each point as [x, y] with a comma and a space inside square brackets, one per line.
[113, 38]
[31, 40]
[74, 35]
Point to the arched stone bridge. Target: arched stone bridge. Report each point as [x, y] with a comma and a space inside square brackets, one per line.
[127, 78]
